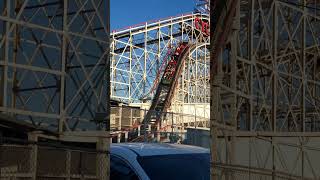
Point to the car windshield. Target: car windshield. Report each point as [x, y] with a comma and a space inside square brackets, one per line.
[177, 166]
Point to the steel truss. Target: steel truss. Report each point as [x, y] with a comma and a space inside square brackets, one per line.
[194, 84]
[266, 91]
[272, 68]
[53, 61]
[139, 53]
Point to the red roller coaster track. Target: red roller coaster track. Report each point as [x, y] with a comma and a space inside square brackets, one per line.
[167, 85]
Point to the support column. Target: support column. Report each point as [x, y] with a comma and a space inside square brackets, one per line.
[126, 136]
[251, 59]
[158, 132]
[120, 117]
[68, 164]
[102, 160]
[33, 138]
[145, 58]
[304, 84]
[183, 136]
[172, 124]
[231, 150]
[119, 138]
[144, 126]
[303, 66]
[149, 128]
[4, 84]
[63, 67]
[273, 158]
[275, 68]
[214, 112]
[149, 131]
[168, 136]
[139, 130]
[195, 119]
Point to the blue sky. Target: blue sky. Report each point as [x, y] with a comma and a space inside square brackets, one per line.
[130, 12]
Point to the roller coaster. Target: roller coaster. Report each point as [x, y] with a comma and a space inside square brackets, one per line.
[139, 54]
[166, 61]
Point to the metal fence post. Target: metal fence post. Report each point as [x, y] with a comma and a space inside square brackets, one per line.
[195, 118]
[158, 132]
[119, 137]
[126, 136]
[120, 117]
[139, 127]
[145, 126]
[172, 127]
[150, 131]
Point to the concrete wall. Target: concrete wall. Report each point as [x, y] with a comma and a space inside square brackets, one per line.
[198, 137]
[284, 154]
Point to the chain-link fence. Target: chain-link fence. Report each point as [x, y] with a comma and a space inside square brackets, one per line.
[29, 160]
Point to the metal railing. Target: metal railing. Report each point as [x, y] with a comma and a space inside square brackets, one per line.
[127, 125]
[238, 172]
[21, 159]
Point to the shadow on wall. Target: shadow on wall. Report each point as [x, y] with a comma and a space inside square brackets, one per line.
[198, 137]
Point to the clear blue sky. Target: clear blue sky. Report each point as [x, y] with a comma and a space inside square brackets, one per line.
[130, 12]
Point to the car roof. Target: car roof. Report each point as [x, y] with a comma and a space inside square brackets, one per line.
[154, 149]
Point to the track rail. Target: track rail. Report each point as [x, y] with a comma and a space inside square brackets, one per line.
[223, 16]
[155, 24]
[193, 18]
[166, 88]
